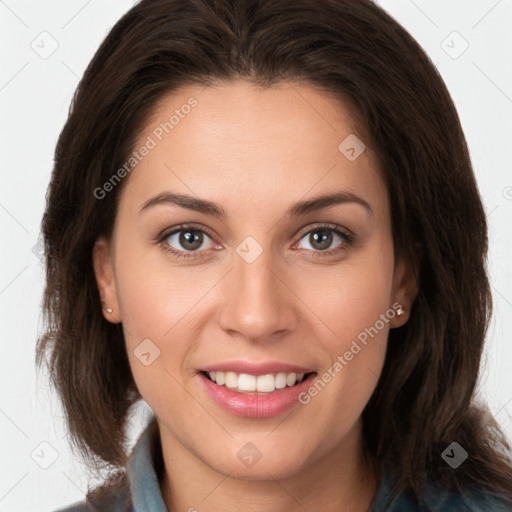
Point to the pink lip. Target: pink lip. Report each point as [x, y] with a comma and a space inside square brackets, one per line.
[257, 405]
[255, 369]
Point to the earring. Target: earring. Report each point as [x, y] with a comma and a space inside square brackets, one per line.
[108, 310]
[400, 311]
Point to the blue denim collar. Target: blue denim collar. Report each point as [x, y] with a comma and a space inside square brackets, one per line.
[144, 486]
[146, 495]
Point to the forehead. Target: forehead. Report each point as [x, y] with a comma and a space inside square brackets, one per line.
[236, 142]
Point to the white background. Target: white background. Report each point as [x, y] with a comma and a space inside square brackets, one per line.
[35, 94]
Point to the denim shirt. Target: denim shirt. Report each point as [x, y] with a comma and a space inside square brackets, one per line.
[143, 491]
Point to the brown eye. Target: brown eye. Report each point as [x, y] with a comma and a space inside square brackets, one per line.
[322, 239]
[189, 240]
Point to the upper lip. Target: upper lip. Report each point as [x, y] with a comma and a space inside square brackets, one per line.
[255, 369]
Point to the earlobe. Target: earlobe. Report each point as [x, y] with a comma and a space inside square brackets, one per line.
[102, 259]
[405, 290]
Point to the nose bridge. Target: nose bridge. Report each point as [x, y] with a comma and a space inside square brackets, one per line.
[257, 303]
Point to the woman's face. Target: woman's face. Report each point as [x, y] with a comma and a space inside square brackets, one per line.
[271, 282]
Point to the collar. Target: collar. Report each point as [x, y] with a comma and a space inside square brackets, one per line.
[146, 495]
[144, 486]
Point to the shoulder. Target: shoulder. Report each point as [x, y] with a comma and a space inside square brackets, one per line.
[437, 500]
[136, 484]
[110, 498]
[434, 498]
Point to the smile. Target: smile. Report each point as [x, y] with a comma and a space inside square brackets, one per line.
[255, 391]
[246, 383]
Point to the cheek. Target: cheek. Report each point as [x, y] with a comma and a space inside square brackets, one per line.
[164, 304]
[155, 329]
[353, 298]
[153, 302]
[348, 377]
[356, 309]
[153, 296]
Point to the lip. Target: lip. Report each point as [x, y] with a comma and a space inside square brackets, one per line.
[255, 369]
[257, 405]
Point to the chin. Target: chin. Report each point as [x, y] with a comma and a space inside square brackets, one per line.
[279, 466]
[254, 457]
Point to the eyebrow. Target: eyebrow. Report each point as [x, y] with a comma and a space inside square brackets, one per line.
[299, 209]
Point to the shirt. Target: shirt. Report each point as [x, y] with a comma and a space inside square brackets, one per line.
[142, 494]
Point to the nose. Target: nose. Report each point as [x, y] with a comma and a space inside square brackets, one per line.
[259, 305]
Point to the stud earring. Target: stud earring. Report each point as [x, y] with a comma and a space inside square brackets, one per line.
[108, 310]
[400, 311]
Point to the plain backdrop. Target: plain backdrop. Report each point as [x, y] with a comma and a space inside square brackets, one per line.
[45, 47]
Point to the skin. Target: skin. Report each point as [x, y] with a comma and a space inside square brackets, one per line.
[255, 152]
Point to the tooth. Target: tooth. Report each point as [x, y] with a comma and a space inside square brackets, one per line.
[231, 380]
[246, 382]
[280, 380]
[291, 378]
[265, 383]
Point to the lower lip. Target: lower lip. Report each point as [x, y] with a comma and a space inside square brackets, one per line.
[264, 405]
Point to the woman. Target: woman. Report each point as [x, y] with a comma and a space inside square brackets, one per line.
[264, 222]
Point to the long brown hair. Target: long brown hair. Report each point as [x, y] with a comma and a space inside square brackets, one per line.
[355, 51]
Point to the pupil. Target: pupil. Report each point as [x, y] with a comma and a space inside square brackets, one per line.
[192, 238]
[322, 239]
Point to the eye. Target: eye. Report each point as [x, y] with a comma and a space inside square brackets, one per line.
[186, 241]
[325, 239]
[190, 241]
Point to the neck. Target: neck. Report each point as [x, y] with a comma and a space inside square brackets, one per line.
[339, 481]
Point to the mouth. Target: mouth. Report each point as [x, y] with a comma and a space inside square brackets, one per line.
[246, 383]
[263, 395]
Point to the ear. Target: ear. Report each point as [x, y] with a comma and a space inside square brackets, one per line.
[102, 259]
[405, 289]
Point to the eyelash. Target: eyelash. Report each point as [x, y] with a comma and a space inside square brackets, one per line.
[347, 240]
